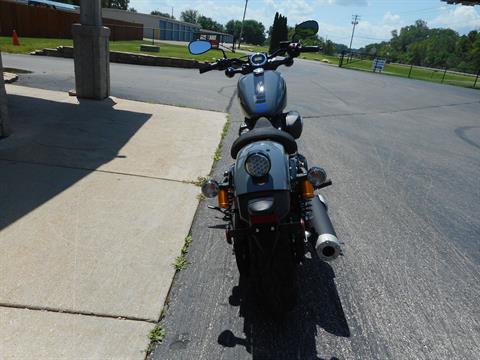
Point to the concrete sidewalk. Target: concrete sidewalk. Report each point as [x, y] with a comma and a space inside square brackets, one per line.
[95, 203]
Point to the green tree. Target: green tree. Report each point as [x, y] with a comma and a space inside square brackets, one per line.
[233, 27]
[253, 31]
[419, 45]
[329, 47]
[133, 10]
[209, 24]
[116, 4]
[190, 16]
[475, 54]
[278, 32]
[159, 13]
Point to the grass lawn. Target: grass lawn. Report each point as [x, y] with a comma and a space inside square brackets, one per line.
[320, 57]
[400, 70]
[253, 48]
[28, 45]
[418, 73]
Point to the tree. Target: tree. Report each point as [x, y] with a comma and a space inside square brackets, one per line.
[278, 32]
[329, 47]
[116, 4]
[209, 24]
[133, 10]
[253, 31]
[233, 27]
[159, 13]
[190, 16]
[419, 45]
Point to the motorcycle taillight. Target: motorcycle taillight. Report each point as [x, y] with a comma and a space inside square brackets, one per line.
[263, 219]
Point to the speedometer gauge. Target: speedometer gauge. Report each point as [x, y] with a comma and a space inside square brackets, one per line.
[258, 59]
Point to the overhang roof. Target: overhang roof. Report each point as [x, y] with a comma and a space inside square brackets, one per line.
[463, 2]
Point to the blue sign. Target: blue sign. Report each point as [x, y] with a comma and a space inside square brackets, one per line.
[378, 64]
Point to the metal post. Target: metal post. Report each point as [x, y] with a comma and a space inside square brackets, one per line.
[476, 79]
[153, 36]
[243, 21]
[444, 73]
[410, 72]
[340, 64]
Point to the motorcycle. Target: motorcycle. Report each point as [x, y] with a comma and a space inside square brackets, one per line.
[267, 197]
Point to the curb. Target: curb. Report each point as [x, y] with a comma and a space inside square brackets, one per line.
[125, 58]
[9, 77]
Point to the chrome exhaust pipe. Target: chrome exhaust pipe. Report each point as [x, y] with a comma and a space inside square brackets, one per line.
[326, 244]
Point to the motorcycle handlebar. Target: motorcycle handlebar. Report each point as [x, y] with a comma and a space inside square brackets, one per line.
[226, 64]
[208, 67]
[310, 49]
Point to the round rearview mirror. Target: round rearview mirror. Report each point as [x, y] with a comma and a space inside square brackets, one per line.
[306, 29]
[197, 47]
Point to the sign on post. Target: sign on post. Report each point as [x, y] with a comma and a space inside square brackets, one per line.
[378, 64]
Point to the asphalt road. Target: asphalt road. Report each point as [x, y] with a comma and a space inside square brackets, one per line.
[404, 156]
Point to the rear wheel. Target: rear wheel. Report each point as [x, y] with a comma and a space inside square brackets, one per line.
[240, 247]
[273, 271]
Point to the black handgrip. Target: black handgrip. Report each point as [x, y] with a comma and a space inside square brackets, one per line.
[208, 67]
[310, 49]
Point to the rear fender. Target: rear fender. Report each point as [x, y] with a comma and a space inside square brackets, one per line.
[268, 199]
[278, 177]
[259, 208]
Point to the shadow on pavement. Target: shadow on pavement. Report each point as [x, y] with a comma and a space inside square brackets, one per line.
[292, 337]
[71, 139]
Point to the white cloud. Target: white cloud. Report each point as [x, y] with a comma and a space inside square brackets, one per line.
[296, 11]
[217, 10]
[344, 2]
[460, 18]
[391, 19]
[366, 32]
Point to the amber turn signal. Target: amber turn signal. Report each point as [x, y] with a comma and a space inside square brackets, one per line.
[307, 189]
[223, 198]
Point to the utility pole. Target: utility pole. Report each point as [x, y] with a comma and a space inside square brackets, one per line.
[172, 12]
[355, 19]
[243, 21]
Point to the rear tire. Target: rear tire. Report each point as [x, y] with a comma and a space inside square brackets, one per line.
[273, 272]
[240, 248]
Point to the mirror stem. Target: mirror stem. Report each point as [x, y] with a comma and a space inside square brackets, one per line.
[224, 55]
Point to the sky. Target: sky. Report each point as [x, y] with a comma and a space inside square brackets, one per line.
[377, 17]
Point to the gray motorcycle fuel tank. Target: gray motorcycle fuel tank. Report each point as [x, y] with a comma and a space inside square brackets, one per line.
[262, 93]
[278, 177]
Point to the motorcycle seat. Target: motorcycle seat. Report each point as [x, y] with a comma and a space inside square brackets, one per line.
[264, 130]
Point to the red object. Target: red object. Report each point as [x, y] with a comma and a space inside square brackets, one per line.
[214, 43]
[263, 219]
[15, 39]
